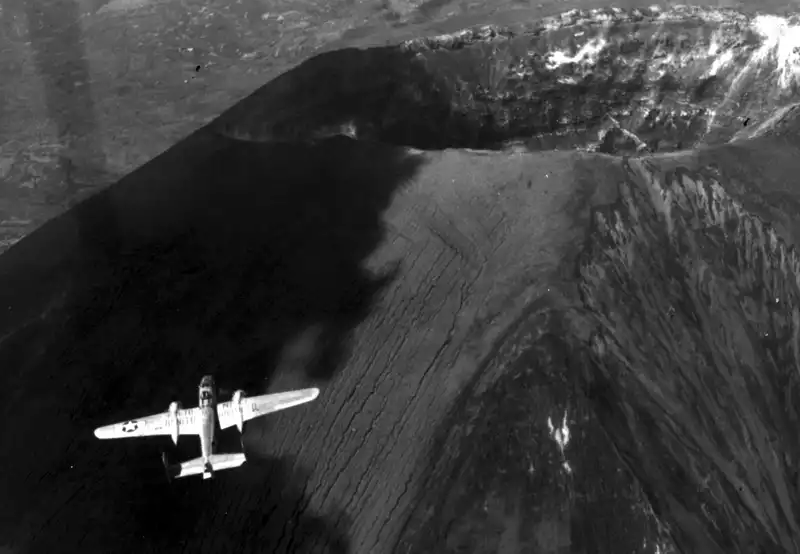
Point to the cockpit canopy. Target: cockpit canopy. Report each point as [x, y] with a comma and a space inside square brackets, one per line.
[206, 390]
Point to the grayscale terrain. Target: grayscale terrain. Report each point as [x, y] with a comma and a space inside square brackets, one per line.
[542, 270]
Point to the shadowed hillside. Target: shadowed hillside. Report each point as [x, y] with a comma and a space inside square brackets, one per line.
[120, 305]
[534, 346]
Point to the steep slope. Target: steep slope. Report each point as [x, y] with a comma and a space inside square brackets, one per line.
[520, 349]
[694, 296]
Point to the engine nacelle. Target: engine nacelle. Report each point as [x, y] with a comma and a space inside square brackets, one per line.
[237, 405]
[174, 408]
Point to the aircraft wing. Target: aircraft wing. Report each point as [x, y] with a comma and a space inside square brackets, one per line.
[189, 423]
[231, 413]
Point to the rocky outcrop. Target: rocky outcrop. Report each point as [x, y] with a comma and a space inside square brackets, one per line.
[606, 79]
[693, 306]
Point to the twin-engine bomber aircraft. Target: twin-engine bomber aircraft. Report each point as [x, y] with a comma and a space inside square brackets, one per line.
[201, 421]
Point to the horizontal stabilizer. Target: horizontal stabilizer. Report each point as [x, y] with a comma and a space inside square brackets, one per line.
[215, 462]
[227, 461]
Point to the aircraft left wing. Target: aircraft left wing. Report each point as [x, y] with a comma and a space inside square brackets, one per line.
[241, 409]
[189, 423]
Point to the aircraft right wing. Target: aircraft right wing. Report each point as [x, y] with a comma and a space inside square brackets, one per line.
[241, 409]
[189, 423]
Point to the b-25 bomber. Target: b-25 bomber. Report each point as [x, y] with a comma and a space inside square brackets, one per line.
[201, 421]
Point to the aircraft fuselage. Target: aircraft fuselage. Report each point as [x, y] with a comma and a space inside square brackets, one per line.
[207, 402]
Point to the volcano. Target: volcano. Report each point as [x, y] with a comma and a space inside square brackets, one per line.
[544, 276]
